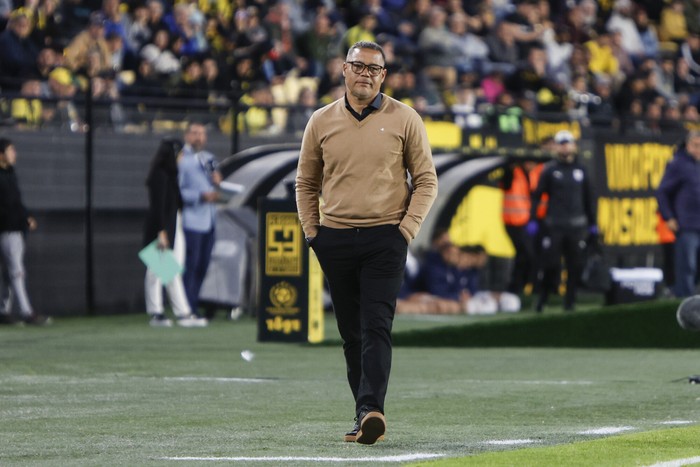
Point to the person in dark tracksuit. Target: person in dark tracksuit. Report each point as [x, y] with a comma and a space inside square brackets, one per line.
[570, 219]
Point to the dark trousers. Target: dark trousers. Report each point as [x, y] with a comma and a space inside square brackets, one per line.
[524, 270]
[571, 244]
[686, 262]
[364, 269]
[198, 247]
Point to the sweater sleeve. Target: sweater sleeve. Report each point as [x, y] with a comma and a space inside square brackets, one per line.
[309, 178]
[419, 162]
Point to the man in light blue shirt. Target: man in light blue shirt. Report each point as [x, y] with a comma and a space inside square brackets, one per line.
[198, 179]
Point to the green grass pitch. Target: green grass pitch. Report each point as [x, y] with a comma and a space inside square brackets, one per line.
[506, 390]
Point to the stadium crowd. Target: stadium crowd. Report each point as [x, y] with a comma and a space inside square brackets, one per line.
[619, 62]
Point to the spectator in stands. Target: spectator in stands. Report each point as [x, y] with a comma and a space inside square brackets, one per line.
[186, 25]
[575, 29]
[665, 76]
[244, 74]
[527, 26]
[503, 50]
[469, 50]
[601, 111]
[319, 44]
[332, 77]
[18, 52]
[146, 82]
[386, 19]
[116, 22]
[533, 87]
[570, 218]
[626, 65]
[91, 41]
[191, 84]
[47, 25]
[138, 33]
[601, 57]
[27, 110]
[251, 39]
[257, 117]
[434, 47]
[122, 58]
[164, 225]
[156, 13]
[63, 86]
[678, 196]
[685, 82]
[198, 180]
[46, 61]
[622, 20]
[673, 26]
[362, 31]
[15, 222]
[647, 34]
[216, 85]
[159, 55]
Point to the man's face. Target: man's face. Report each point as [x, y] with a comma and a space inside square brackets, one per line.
[693, 147]
[10, 156]
[196, 137]
[21, 27]
[566, 151]
[363, 86]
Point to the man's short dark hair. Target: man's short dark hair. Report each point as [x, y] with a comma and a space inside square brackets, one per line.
[367, 45]
[4, 144]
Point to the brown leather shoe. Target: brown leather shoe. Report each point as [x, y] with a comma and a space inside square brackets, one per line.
[351, 436]
[372, 427]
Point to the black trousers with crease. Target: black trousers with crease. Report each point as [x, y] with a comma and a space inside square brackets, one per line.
[364, 268]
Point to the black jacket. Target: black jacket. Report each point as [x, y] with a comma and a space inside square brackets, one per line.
[570, 195]
[163, 203]
[13, 214]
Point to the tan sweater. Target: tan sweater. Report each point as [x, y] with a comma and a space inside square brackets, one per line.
[359, 169]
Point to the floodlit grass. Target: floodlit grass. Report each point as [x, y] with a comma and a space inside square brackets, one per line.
[113, 391]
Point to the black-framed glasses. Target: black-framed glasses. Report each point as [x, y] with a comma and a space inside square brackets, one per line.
[359, 68]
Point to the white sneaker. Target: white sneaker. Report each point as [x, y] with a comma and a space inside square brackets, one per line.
[160, 321]
[236, 313]
[192, 321]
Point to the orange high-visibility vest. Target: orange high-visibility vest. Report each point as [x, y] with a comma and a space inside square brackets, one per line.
[516, 200]
[534, 175]
[666, 235]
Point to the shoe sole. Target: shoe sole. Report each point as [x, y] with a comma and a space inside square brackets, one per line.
[353, 438]
[372, 428]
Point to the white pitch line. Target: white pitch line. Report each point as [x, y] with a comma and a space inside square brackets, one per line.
[510, 442]
[399, 458]
[218, 380]
[606, 430]
[678, 422]
[678, 462]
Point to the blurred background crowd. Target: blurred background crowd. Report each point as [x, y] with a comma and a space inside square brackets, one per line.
[631, 64]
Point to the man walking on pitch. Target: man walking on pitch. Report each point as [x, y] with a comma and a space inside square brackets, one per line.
[357, 153]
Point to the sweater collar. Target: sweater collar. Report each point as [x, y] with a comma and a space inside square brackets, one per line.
[371, 107]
